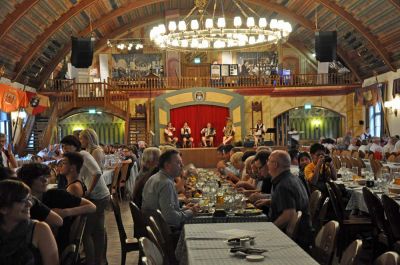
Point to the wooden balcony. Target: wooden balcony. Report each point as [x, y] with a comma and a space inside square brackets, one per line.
[231, 82]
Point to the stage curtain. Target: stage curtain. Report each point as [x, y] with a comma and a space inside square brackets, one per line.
[197, 117]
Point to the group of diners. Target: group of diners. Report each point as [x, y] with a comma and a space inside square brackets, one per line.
[37, 223]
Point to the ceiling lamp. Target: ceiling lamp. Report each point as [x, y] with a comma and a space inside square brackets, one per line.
[125, 44]
[202, 31]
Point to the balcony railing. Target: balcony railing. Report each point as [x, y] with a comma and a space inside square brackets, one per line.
[229, 82]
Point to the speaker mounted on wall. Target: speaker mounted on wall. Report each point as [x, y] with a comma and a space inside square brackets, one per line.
[325, 45]
[82, 52]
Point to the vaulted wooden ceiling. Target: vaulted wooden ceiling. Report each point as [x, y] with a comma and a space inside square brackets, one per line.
[35, 34]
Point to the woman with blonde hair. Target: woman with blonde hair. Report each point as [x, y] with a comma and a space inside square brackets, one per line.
[90, 142]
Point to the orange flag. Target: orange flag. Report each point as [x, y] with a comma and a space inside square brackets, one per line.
[11, 98]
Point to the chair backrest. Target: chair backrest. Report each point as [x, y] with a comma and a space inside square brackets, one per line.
[151, 251]
[392, 211]
[157, 232]
[114, 182]
[391, 158]
[124, 172]
[292, 227]
[155, 238]
[315, 203]
[68, 255]
[388, 258]
[145, 261]
[139, 225]
[118, 219]
[325, 242]
[322, 214]
[76, 233]
[375, 207]
[336, 162]
[335, 204]
[350, 255]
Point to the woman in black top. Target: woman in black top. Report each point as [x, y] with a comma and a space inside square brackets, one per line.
[23, 241]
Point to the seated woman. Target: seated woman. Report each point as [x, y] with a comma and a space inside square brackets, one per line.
[229, 132]
[187, 140]
[169, 134]
[207, 135]
[22, 240]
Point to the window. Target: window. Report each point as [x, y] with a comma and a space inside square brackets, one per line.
[375, 119]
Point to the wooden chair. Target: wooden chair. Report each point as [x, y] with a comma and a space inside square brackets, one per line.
[382, 232]
[151, 252]
[161, 229]
[392, 211]
[315, 204]
[348, 226]
[68, 255]
[122, 180]
[325, 242]
[76, 234]
[156, 239]
[293, 225]
[336, 162]
[350, 255]
[127, 244]
[113, 188]
[388, 258]
[361, 154]
[321, 215]
[139, 225]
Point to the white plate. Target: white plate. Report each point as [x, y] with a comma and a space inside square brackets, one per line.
[254, 258]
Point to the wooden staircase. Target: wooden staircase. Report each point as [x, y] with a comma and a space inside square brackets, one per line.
[39, 128]
[137, 130]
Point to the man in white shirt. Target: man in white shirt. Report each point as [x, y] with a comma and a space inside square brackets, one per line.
[366, 135]
[7, 158]
[390, 146]
[376, 145]
[353, 145]
[258, 132]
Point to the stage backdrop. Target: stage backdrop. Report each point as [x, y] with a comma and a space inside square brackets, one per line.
[197, 117]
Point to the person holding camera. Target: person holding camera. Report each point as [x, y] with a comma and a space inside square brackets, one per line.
[321, 169]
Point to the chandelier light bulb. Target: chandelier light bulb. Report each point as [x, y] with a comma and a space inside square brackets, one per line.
[209, 23]
[172, 26]
[221, 22]
[205, 44]
[175, 43]
[162, 29]
[194, 24]
[237, 22]
[184, 43]
[195, 43]
[262, 22]
[281, 24]
[273, 24]
[250, 22]
[252, 40]
[261, 38]
[182, 25]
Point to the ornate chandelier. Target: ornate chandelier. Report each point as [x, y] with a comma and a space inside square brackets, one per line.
[201, 31]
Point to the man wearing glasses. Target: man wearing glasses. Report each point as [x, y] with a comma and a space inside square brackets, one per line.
[288, 197]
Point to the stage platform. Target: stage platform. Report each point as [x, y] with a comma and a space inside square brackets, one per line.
[207, 157]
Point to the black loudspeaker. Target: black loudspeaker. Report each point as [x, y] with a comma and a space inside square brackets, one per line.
[325, 45]
[82, 52]
[361, 122]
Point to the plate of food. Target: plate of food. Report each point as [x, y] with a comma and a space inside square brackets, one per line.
[248, 212]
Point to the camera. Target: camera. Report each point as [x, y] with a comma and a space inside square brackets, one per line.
[327, 159]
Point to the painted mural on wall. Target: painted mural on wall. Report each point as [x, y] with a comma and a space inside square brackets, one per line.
[257, 63]
[109, 128]
[136, 65]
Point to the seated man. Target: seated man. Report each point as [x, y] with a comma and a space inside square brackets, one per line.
[187, 139]
[259, 133]
[159, 191]
[320, 170]
[169, 134]
[207, 135]
[289, 196]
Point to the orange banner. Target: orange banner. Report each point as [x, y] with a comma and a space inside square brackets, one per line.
[11, 98]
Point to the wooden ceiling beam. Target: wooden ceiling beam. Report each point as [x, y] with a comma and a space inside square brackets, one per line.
[396, 4]
[11, 19]
[288, 14]
[47, 34]
[373, 40]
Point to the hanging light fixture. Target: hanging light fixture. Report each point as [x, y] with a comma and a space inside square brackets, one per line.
[126, 44]
[202, 31]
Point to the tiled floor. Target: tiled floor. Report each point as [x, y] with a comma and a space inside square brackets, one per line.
[114, 245]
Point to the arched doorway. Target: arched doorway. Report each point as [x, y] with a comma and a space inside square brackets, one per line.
[109, 128]
[312, 123]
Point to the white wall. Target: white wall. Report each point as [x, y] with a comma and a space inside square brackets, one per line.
[393, 121]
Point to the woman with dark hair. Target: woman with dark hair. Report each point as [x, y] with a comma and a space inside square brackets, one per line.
[304, 159]
[22, 240]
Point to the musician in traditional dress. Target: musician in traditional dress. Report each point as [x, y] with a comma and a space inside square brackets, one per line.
[229, 132]
[259, 131]
[169, 134]
[207, 135]
[187, 139]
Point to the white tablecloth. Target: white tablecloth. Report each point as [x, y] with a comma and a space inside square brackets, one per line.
[204, 244]
[108, 175]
